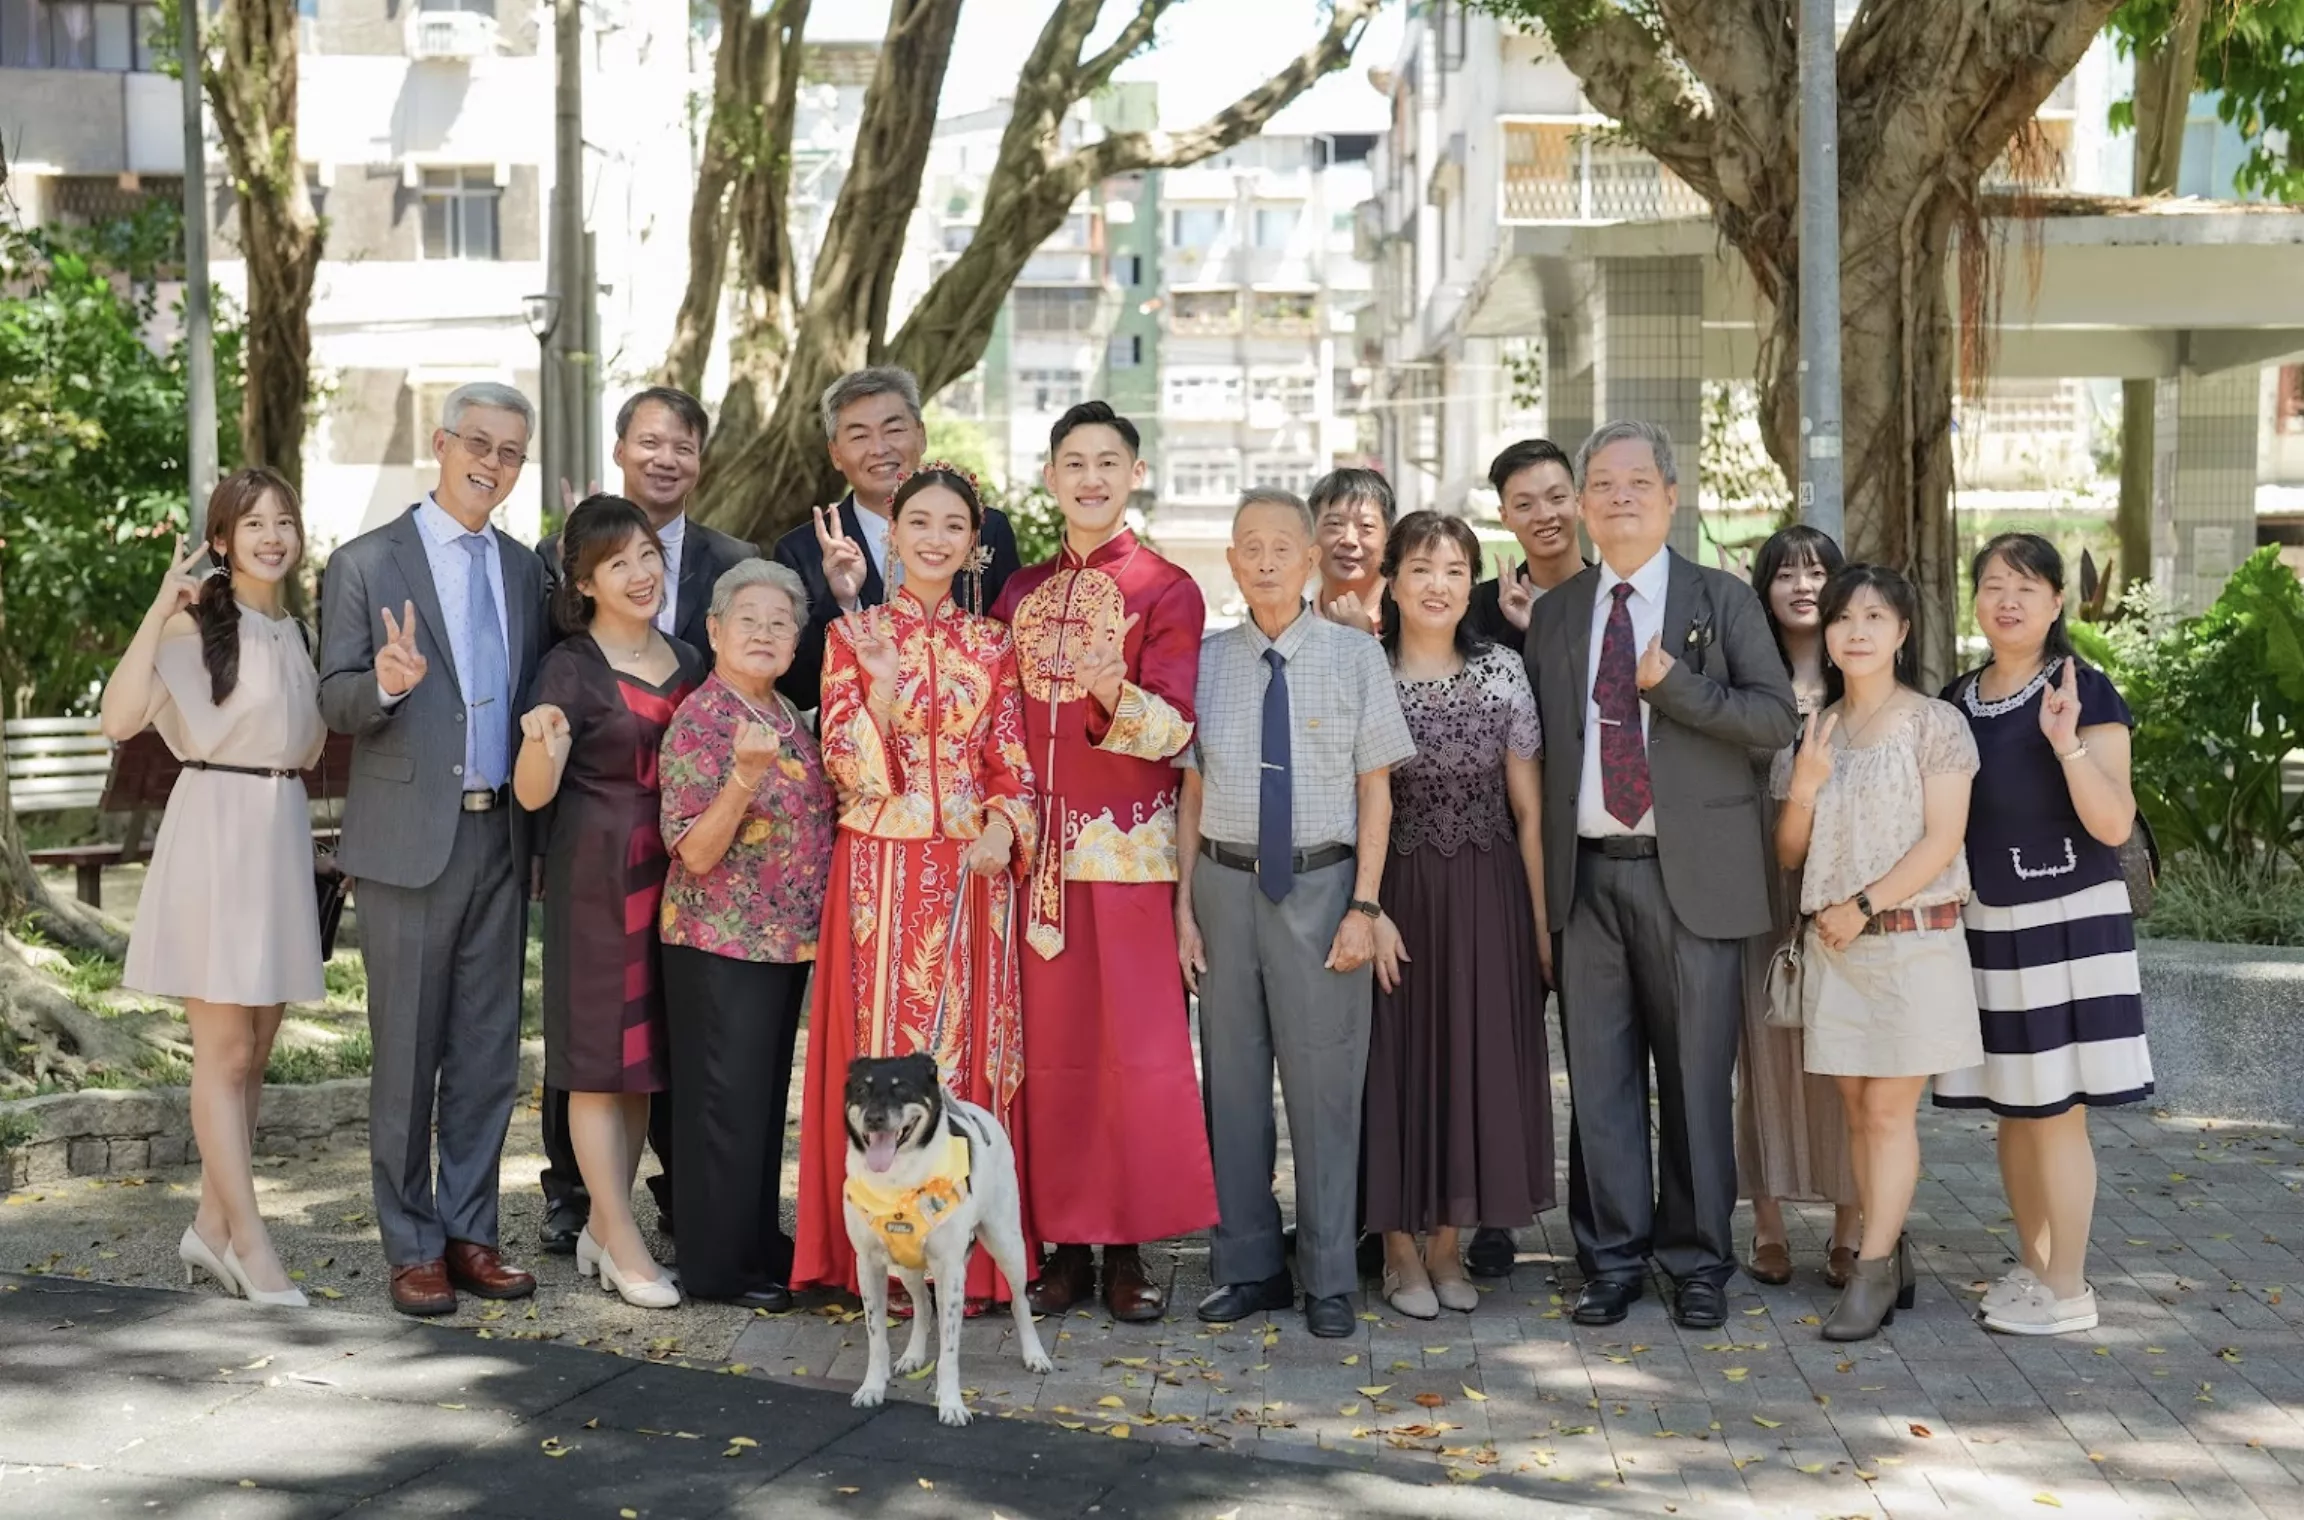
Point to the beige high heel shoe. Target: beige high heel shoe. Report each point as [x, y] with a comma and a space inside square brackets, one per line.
[287, 1298]
[658, 1292]
[197, 1258]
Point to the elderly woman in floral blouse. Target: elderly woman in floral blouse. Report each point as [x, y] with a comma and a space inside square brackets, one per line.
[748, 819]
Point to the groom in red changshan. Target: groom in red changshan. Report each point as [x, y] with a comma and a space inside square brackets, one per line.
[1108, 646]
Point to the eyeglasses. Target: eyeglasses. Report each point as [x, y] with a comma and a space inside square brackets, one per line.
[506, 455]
[778, 629]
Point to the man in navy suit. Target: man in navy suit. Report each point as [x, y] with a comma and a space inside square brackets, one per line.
[873, 424]
[660, 435]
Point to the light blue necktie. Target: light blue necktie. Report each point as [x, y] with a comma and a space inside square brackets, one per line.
[488, 706]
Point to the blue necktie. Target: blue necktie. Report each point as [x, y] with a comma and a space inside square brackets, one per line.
[1276, 806]
[488, 707]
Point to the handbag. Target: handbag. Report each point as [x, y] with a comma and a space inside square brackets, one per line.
[2140, 863]
[1788, 980]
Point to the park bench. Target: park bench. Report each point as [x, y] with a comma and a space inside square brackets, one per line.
[59, 763]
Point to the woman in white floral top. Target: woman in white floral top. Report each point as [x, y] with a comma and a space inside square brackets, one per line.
[747, 815]
[1875, 807]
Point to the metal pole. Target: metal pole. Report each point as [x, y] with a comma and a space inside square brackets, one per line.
[1821, 499]
[568, 336]
[199, 322]
[588, 378]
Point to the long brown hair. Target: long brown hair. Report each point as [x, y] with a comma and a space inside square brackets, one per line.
[216, 610]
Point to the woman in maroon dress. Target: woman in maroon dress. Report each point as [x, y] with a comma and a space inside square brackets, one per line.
[603, 699]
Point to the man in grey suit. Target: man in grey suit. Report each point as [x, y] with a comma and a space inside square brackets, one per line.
[431, 627]
[1656, 680]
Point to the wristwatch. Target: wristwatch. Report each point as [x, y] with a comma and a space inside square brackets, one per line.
[1363, 905]
[1864, 905]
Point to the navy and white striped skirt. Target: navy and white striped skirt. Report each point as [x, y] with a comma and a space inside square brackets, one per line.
[2062, 1007]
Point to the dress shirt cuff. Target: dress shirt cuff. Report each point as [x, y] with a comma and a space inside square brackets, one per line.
[388, 700]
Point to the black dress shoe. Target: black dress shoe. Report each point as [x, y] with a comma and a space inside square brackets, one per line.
[1236, 1301]
[1701, 1305]
[775, 1298]
[562, 1224]
[1329, 1318]
[1605, 1301]
[1491, 1253]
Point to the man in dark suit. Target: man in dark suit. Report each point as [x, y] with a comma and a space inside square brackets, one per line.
[1656, 679]
[873, 424]
[660, 435]
[430, 632]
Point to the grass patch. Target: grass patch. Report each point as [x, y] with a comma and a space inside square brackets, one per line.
[16, 1129]
[349, 1057]
[2200, 901]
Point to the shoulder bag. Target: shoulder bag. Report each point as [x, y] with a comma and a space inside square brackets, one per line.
[1788, 980]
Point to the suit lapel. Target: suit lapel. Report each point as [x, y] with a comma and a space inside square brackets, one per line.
[517, 606]
[697, 567]
[1580, 593]
[1680, 588]
[874, 591]
[408, 551]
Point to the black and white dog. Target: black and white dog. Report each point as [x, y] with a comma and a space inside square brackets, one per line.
[928, 1176]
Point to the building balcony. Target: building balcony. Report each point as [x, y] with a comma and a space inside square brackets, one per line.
[1568, 169]
[450, 36]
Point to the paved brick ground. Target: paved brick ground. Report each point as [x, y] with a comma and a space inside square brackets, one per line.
[2186, 1402]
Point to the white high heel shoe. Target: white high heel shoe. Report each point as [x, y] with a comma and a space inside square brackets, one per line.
[197, 1258]
[287, 1298]
[659, 1292]
[587, 1253]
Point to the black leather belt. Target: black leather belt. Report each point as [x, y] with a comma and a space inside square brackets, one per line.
[1306, 861]
[1619, 846]
[242, 770]
[486, 802]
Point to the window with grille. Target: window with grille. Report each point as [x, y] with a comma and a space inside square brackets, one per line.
[1202, 391]
[1049, 391]
[1288, 472]
[1195, 226]
[460, 214]
[1206, 311]
[77, 34]
[1275, 225]
[1066, 311]
[1125, 351]
[1293, 392]
[1204, 477]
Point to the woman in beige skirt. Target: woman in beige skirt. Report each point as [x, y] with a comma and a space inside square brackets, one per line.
[1875, 807]
[1791, 1143]
[228, 921]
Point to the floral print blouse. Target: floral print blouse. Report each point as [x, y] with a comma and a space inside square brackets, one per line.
[764, 899]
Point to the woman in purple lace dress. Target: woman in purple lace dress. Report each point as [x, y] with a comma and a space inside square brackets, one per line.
[1458, 1123]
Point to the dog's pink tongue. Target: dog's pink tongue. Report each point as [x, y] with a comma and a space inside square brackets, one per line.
[880, 1150]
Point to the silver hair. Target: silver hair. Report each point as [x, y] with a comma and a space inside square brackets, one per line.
[747, 573]
[486, 393]
[872, 380]
[1274, 496]
[1659, 443]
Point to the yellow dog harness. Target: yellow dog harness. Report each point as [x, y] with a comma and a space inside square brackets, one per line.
[904, 1218]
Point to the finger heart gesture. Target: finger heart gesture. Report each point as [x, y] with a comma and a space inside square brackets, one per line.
[1102, 670]
[1655, 664]
[399, 665]
[547, 725]
[756, 748]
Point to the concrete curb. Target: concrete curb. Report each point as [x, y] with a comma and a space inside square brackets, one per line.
[103, 1133]
[2222, 1022]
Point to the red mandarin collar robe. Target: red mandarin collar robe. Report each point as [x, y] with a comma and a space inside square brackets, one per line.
[1117, 1139]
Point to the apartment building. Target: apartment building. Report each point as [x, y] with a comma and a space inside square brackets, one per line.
[426, 133]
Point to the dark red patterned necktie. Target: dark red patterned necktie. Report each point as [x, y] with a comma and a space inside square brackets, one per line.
[1616, 692]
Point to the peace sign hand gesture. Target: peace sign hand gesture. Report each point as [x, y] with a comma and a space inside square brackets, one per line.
[1349, 610]
[1104, 667]
[399, 666]
[843, 556]
[876, 653]
[2060, 711]
[1516, 597]
[179, 587]
[1812, 762]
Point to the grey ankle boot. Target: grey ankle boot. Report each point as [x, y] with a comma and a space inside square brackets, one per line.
[1867, 1303]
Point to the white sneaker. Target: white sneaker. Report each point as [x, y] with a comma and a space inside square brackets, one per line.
[2040, 1312]
[2008, 1289]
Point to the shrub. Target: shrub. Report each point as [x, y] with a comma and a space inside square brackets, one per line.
[2196, 900]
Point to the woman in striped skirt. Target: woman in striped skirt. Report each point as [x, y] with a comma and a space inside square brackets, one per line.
[2049, 929]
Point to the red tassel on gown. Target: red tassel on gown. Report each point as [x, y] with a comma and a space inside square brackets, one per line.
[891, 978]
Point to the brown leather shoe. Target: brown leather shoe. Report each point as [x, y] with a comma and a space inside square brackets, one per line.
[478, 1270]
[1129, 1295]
[1840, 1266]
[1771, 1264]
[1068, 1277]
[423, 1289]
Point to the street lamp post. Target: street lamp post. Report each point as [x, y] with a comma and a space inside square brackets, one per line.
[199, 324]
[543, 315]
[1820, 461]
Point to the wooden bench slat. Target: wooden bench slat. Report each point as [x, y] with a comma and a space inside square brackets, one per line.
[28, 728]
[67, 744]
[60, 765]
[48, 786]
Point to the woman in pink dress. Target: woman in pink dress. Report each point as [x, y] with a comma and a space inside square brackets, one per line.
[229, 922]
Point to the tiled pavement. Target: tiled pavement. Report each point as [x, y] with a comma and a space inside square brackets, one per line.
[2186, 1402]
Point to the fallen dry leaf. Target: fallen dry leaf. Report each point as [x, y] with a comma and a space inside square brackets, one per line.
[1430, 1400]
[1474, 1394]
[1765, 1423]
[1920, 1430]
[1375, 1390]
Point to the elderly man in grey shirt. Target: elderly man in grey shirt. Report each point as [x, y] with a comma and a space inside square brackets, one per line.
[1285, 815]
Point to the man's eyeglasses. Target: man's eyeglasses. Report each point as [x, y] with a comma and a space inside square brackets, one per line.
[507, 455]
